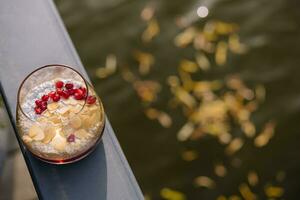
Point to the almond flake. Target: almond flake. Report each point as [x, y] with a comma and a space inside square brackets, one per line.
[75, 122]
[35, 130]
[52, 106]
[50, 132]
[54, 119]
[59, 142]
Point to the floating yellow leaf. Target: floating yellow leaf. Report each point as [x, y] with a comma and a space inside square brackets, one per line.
[186, 80]
[234, 44]
[202, 61]
[220, 170]
[234, 197]
[171, 194]
[186, 131]
[264, 137]
[221, 53]
[186, 37]
[235, 145]
[188, 66]
[152, 113]
[189, 155]
[221, 197]
[147, 13]
[246, 193]
[164, 119]
[147, 90]
[252, 178]
[110, 67]
[273, 191]
[201, 43]
[151, 31]
[173, 81]
[224, 28]
[146, 60]
[185, 97]
[248, 128]
[204, 181]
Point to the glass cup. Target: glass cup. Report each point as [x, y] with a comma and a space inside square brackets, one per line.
[60, 118]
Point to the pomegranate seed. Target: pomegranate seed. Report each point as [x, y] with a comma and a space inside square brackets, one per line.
[70, 91]
[83, 91]
[56, 98]
[45, 97]
[59, 91]
[43, 107]
[71, 138]
[78, 96]
[59, 84]
[38, 102]
[38, 110]
[65, 95]
[44, 103]
[91, 99]
[69, 85]
[52, 94]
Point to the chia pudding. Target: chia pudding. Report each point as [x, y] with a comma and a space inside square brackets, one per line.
[60, 120]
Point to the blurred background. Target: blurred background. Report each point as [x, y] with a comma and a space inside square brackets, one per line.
[203, 95]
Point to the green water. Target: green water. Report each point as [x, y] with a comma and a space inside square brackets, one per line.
[271, 29]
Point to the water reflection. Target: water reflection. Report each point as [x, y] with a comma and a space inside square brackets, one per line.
[205, 108]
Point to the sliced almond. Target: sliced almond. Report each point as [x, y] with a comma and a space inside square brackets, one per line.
[46, 113]
[76, 108]
[81, 133]
[71, 101]
[59, 142]
[85, 119]
[35, 130]
[42, 119]
[49, 132]
[54, 119]
[93, 108]
[95, 118]
[75, 122]
[52, 106]
[26, 139]
[64, 110]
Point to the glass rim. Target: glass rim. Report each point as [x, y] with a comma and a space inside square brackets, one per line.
[46, 66]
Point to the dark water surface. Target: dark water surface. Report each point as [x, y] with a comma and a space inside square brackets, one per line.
[271, 30]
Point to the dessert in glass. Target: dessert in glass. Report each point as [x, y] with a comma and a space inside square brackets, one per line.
[60, 118]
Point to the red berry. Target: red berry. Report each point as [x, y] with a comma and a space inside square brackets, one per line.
[44, 103]
[43, 107]
[38, 102]
[78, 96]
[59, 91]
[52, 94]
[69, 85]
[56, 98]
[83, 91]
[91, 99]
[59, 84]
[70, 91]
[71, 138]
[45, 97]
[65, 95]
[38, 110]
